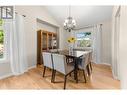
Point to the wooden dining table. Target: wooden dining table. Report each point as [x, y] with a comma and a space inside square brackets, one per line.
[75, 56]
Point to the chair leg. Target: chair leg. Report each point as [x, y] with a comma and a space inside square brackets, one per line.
[91, 66]
[88, 70]
[52, 75]
[44, 71]
[70, 74]
[65, 78]
[84, 75]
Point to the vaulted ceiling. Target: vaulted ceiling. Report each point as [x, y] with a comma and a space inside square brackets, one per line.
[84, 15]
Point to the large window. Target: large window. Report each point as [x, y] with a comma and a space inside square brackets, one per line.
[84, 39]
[1, 41]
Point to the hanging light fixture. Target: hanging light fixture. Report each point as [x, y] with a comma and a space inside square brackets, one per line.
[69, 23]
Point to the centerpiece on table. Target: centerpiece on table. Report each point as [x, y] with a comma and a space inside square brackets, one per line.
[71, 42]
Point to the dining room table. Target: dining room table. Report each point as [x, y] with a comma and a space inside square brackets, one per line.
[75, 55]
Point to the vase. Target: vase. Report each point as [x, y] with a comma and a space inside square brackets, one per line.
[70, 49]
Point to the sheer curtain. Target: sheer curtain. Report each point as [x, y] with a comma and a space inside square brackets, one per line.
[18, 46]
[96, 38]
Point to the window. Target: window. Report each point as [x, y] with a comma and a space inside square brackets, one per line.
[84, 39]
[6, 12]
[1, 41]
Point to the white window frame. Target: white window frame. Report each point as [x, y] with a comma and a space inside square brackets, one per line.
[6, 42]
[83, 32]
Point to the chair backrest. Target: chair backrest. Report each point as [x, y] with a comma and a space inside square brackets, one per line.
[53, 50]
[85, 60]
[59, 63]
[47, 59]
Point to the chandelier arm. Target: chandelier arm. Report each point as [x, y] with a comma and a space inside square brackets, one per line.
[69, 23]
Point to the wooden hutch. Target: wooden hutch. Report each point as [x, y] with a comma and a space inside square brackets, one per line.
[45, 41]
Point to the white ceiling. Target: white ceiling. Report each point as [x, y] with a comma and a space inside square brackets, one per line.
[84, 15]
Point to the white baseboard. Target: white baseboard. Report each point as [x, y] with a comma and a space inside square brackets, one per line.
[32, 67]
[11, 74]
[5, 76]
[102, 63]
[106, 64]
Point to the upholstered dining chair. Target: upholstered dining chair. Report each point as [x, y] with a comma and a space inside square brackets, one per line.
[90, 60]
[89, 67]
[60, 65]
[84, 63]
[53, 50]
[47, 62]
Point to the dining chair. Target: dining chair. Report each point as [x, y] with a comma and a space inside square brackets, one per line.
[90, 60]
[83, 64]
[60, 65]
[47, 62]
[53, 50]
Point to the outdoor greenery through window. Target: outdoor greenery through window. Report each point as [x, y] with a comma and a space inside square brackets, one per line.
[1, 40]
[84, 39]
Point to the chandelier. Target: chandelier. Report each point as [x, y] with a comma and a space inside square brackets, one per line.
[69, 23]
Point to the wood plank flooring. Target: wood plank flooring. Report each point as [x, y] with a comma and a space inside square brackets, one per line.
[101, 78]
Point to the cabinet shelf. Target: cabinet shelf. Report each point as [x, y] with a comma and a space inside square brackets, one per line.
[45, 41]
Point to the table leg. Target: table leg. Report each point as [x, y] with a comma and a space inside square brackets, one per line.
[76, 70]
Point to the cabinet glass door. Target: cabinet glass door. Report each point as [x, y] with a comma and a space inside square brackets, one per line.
[44, 41]
[49, 41]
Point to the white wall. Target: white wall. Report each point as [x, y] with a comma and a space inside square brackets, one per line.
[115, 42]
[45, 26]
[5, 69]
[66, 36]
[62, 38]
[32, 13]
[106, 42]
[123, 46]
[31, 26]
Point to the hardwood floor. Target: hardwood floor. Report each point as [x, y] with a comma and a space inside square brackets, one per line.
[101, 78]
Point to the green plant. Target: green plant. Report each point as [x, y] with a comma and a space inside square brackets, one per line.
[1, 36]
[85, 43]
[1, 22]
[87, 33]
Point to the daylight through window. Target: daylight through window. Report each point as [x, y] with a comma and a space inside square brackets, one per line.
[84, 39]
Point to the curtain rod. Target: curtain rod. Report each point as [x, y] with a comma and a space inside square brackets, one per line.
[88, 26]
[22, 15]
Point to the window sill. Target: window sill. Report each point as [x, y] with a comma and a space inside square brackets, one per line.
[4, 60]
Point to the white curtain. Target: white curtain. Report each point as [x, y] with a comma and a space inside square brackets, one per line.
[96, 38]
[18, 46]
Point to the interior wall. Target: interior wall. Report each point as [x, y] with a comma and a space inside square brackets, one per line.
[62, 38]
[66, 35]
[45, 26]
[32, 13]
[115, 41]
[106, 42]
[123, 47]
[5, 69]
[122, 44]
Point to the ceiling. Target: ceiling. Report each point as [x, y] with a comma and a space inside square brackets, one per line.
[84, 15]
